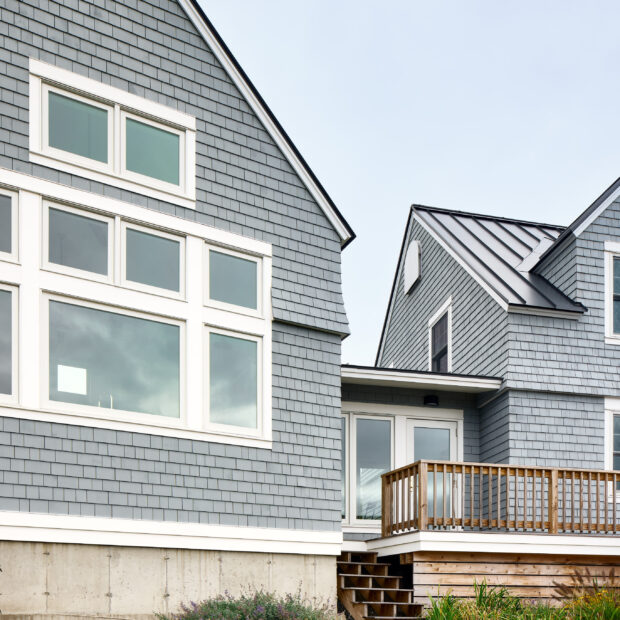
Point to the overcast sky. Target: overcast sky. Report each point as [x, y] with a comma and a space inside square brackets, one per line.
[507, 108]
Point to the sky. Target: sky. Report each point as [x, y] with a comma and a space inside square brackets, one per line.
[508, 108]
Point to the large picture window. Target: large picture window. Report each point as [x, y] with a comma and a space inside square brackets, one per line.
[113, 361]
[116, 325]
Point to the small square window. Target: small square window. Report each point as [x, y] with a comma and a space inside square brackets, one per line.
[6, 224]
[6, 342]
[152, 152]
[233, 381]
[152, 259]
[77, 127]
[233, 280]
[78, 241]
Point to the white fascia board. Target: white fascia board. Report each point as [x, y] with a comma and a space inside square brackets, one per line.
[35, 527]
[554, 314]
[265, 119]
[354, 546]
[423, 381]
[67, 194]
[489, 542]
[597, 212]
[502, 302]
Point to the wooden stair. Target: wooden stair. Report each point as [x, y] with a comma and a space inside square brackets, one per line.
[368, 591]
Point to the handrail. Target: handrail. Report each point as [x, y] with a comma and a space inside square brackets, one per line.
[439, 495]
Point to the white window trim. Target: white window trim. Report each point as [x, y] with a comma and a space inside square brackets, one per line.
[13, 255]
[13, 397]
[214, 303]
[261, 405]
[612, 250]
[74, 271]
[45, 77]
[147, 288]
[400, 415]
[612, 409]
[445, 307]
[34, 282]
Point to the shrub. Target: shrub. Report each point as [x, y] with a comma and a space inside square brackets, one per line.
[600, 604]
[255, 606]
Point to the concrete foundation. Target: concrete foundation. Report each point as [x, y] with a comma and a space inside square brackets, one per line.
[49, 580]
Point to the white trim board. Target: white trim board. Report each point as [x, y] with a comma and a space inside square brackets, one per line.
[397, 378]
[36, 527]
[265, 119]
[490, 542]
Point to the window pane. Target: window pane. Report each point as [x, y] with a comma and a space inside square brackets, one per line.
[77, 127]
[616, 316]
[373, 448]
[617, 433]
[153, 260]
[5, 224]
[440, 363]
[431, 443]
[343, 463]
[232, 280]
[6, 356]
[440, 334]
[616, 276]
[78, 241]
[152, 151]
[113, 361]
[233, 381]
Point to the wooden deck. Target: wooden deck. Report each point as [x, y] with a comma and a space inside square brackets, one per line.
[441, 495]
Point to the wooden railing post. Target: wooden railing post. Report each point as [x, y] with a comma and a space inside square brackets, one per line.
[423, 496]
[553, 502]
[386, 505]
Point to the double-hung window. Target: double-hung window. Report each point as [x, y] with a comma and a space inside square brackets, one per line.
[133, 319]
[440, 335]
[87, 128]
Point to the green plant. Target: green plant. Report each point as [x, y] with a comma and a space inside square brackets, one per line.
[253, 606]
[601, 604]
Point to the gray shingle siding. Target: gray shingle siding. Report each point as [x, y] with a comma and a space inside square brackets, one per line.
[560, 268]
[494, 429]
[64, 469]
[478, 322]
[244, 184]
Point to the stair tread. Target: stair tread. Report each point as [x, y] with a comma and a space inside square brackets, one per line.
[369, 575]
[363, 563]
[393, 617]
[377, 589]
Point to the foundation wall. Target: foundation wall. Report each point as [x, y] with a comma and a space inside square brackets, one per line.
[49, 580]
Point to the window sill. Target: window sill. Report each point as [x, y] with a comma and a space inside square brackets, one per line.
[178, 430]
[613, 340]
[183, 200]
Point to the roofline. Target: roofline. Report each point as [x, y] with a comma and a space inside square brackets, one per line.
[394, 377]
[272, 125]
[484, 216]
[394, 283]
[585, 218]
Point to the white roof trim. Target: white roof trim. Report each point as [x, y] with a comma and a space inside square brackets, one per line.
[604, 205]
[265, 119]
[405, 379]
[556, 314]
[502, 302]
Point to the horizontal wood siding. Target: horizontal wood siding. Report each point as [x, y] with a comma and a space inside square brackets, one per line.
[525, 575]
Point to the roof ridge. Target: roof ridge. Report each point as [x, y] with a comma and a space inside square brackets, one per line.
[486, 216]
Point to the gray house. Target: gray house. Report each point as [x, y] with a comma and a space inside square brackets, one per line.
[483, 443]
[170, 321]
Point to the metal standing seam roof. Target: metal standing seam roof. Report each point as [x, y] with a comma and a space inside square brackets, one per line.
[501, 252]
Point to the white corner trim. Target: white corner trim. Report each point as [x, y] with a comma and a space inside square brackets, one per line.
[265, 119]
[502, 302]
[490, 542]
[423, 380]
[36, 527]
[77, 197]
[594, 215]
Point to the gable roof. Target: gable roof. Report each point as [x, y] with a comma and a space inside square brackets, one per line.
[584, 220]
[216, 44]
[500, 252]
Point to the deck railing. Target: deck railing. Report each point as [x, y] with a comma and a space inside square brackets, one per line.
[441, 495]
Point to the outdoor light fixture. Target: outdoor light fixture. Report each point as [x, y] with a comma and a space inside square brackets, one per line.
[431, 400]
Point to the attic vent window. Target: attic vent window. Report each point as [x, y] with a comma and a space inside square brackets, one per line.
[412, 265]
